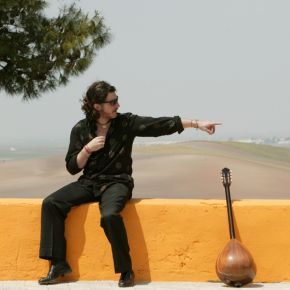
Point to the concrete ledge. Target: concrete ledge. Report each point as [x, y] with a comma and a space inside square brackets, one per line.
[170, 240]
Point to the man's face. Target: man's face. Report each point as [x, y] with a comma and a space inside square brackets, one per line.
[109, 108]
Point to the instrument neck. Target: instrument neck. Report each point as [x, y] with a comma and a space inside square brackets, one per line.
[230, 212]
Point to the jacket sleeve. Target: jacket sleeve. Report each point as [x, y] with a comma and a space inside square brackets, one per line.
[154, 127]
[75, 147]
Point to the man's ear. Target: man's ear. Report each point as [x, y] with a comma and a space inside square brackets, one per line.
[97, 107]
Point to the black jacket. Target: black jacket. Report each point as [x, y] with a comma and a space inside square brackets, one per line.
[113, 163]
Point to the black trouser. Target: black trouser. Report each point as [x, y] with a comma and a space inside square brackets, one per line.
[54, 211]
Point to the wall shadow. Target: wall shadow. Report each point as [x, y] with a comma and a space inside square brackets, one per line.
[236, 226]
[238, 237]
[138, 248]
[76, 238]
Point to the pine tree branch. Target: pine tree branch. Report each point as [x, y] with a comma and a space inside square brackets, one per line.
[41, 52]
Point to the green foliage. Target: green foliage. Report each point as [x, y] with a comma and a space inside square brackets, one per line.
[37, 54]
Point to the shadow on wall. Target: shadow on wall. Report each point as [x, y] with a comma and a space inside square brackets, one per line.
[90, 254]
[76, 238]
[138, 248]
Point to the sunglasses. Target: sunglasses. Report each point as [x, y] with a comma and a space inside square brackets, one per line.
[112, 102]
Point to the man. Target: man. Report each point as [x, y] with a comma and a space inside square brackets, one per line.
[101, 146]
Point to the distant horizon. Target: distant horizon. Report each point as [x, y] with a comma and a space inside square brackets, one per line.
[25, 151]
[62, 142]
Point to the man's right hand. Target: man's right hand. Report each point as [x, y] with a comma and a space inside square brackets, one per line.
[97, 143]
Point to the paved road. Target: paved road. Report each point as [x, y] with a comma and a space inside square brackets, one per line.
[103, 285]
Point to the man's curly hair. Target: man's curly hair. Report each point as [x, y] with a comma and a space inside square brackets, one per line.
[96, 94]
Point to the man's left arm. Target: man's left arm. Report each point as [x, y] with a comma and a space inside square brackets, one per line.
[153, 127]
[143, 126]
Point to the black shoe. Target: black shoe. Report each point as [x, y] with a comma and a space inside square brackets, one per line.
[57, 270]
[127, 279]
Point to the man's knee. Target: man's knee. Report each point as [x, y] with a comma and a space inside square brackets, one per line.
[47, 202]
[50, 203]
[110, 218]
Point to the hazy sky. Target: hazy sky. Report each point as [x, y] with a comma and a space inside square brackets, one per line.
[226, 61]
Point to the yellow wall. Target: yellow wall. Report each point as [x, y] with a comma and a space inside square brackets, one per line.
[170, 240]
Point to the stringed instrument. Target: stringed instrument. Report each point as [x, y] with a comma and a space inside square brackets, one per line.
[234, 265]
